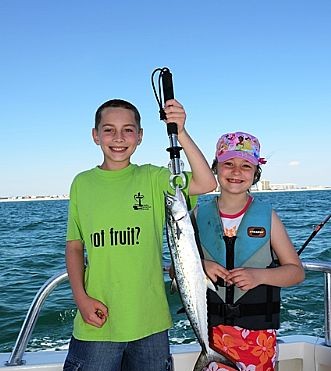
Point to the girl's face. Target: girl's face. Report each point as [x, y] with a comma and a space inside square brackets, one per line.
[118, 136]
[235, 175]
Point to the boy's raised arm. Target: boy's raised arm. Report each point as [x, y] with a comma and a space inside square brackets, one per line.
[203, 180]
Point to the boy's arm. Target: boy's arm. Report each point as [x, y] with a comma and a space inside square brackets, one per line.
[93, 311]
[203, 180]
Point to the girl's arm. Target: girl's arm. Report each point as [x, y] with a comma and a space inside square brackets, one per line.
[290, 272]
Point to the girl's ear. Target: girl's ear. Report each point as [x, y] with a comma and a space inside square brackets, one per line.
[95, 136]
[257, 175]
[214, 166]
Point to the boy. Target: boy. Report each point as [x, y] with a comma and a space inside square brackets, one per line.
[116, 213]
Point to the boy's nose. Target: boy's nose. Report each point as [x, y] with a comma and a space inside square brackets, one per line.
[118, 136]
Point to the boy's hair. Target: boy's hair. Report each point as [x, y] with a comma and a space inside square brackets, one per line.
[257, 174]
[117, 103]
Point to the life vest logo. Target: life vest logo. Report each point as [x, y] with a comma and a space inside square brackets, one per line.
[258, 232]
[139, 205]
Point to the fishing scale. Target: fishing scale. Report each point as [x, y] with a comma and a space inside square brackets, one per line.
[176, 165]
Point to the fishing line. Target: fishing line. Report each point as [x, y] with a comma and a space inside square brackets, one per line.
[314, 233]
[175, 165]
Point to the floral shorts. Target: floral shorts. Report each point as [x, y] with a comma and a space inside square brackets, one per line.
[250, 350]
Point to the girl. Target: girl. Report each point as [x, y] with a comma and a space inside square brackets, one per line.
[248, 254]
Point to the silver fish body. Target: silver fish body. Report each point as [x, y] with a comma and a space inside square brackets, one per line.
[191, 279]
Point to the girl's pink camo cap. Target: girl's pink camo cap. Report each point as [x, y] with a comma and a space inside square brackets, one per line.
[241, 145]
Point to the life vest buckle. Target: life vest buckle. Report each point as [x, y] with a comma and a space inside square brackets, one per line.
[231, 311]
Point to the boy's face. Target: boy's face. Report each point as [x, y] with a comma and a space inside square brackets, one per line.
[118, 136]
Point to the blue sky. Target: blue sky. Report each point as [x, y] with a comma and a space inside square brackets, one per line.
[260, 66]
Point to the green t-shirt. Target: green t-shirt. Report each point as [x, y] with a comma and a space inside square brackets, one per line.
[119, 216]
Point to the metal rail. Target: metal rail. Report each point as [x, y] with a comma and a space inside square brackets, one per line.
[35, 307]
[318, 266]
[29, 323]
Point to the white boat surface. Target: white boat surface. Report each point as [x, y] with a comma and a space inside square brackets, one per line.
[296, 352]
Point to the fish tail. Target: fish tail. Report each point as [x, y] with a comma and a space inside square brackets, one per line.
[205, 359]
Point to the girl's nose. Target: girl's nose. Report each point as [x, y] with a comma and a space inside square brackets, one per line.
[236, 169]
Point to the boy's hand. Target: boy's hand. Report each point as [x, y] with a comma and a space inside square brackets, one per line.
[175, 113]
[93, 311]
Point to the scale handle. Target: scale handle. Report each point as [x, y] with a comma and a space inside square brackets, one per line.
[168, 93]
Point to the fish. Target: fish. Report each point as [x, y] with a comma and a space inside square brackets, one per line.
[191, 279]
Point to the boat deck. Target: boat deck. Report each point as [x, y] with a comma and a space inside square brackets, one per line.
[296, 352]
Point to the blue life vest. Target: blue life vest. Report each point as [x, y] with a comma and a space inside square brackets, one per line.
[254, 309]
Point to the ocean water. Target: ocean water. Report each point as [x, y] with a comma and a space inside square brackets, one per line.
[32, 242]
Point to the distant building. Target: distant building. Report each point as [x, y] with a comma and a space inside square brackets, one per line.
[264, 185]
[283, 187]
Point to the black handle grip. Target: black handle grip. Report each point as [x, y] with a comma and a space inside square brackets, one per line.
[168, 93]
[168, 88]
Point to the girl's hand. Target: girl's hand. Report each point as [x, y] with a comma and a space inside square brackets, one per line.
[246, 278]
[215, 271]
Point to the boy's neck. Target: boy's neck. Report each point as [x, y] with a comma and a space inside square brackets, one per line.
[113, 166]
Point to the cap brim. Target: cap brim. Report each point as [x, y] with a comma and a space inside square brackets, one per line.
[237, 154]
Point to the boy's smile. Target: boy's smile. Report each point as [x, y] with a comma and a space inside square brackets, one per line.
[118, 136]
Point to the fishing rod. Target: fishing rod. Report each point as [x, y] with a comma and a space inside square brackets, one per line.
[175, 165]
[314, 233]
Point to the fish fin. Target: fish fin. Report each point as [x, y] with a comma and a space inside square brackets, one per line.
[210, 284]
[173, 286]
[181, 310]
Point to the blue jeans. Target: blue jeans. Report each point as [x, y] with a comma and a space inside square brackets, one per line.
[151, 353]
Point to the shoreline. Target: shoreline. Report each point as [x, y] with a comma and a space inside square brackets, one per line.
[282, 190]
[34, 198]
[66, 197]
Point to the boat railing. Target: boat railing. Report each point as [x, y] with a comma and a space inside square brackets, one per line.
[31, 318]
[32, 315]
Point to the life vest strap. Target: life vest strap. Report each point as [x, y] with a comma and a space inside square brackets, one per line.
[232, 311]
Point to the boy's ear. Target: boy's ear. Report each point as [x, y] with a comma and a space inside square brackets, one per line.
[95, 136]
[140, 136]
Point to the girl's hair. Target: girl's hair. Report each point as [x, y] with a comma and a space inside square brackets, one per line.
[117, 103]
[257, 175]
